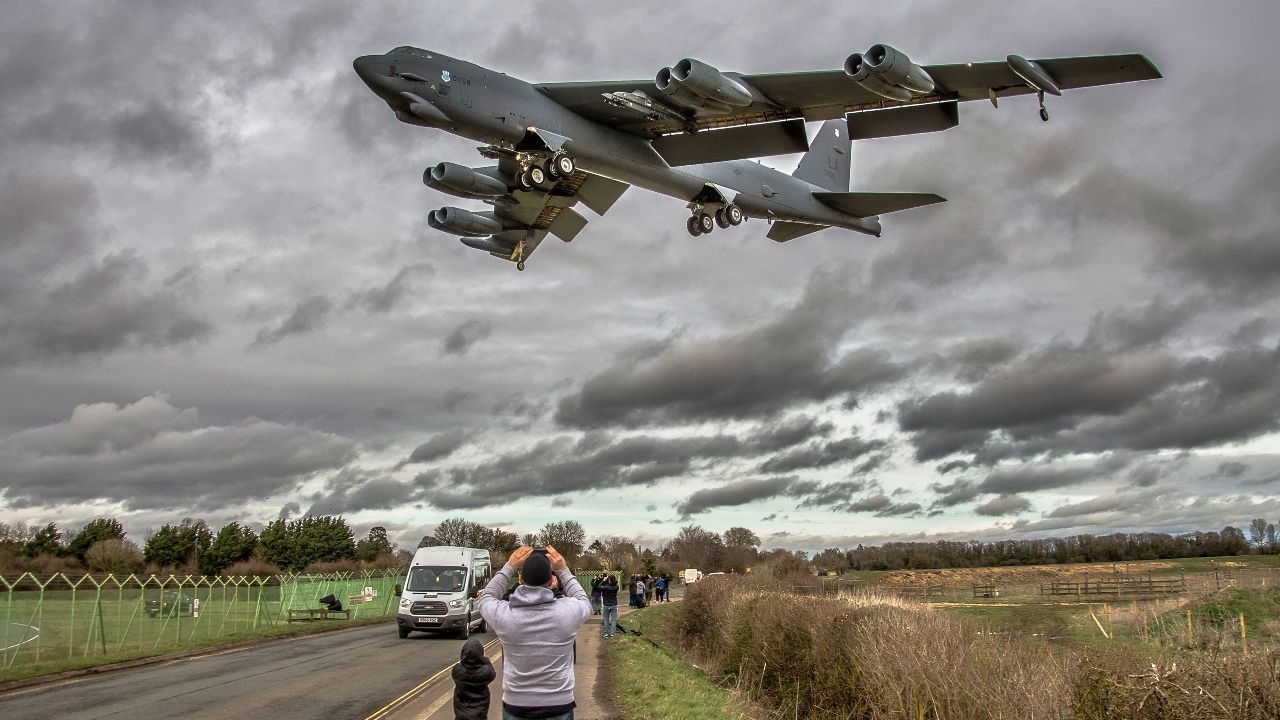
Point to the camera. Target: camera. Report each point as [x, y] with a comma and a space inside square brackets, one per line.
[539, 550]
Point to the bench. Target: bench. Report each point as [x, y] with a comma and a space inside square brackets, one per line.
[312, 614]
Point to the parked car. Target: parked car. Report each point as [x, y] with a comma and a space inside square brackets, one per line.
[170, 604]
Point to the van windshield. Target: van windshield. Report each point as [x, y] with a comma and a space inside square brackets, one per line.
[434, 578]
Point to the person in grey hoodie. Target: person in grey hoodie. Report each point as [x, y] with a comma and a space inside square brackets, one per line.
[537, 631]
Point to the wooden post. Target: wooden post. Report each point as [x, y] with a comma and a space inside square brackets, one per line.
[1244, 641]
[1190, 639]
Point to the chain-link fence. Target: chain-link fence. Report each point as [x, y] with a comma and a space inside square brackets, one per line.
[58, 621]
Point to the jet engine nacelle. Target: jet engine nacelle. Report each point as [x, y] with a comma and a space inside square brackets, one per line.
[457, 221]
[462, 181]
[698, 85]
[889, 73]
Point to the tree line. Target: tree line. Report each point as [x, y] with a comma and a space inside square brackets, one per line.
[1116, 547]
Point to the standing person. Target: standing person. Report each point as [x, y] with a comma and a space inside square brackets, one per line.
[471, 678]
[660, 589]
[537, 631]
[648, 589]
[638, 589]
[609, 602]
[595, 593]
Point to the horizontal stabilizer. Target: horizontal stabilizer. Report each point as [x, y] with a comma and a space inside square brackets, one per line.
[784, 231]
[868, 204]
[739, 143]
[905, 120]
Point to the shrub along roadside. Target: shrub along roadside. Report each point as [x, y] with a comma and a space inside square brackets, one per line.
[872, 657]
[651, 681]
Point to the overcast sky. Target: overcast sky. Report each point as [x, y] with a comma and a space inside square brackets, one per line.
[219, 297]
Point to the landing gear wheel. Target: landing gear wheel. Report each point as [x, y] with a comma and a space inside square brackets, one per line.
[537, 175]
[1044, 114]
[561, 166]
[722, 218]
[520, 266]
[705, 223]
[733, 214]
[695, 229]
[524, 181]
[404, 632]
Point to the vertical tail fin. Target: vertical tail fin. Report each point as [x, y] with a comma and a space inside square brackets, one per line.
[827, 162]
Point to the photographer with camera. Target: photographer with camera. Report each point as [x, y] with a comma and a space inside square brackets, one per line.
[537, 631]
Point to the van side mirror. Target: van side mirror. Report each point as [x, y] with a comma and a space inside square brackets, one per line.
[397, 590]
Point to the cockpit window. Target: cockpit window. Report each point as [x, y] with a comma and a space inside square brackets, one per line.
[410, 50]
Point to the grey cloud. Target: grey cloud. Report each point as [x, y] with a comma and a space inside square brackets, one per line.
[788, 433]
[438, 447]
[309, 315]
[352, 490]
[818, 455]
[759, 370]
[1033, 478]
[733, 494]
[382, 300]
[143, 448]
[1143, 328]
[460, 340]
[959, 491]
[1003, 505]
[880, 506]
[835, 494]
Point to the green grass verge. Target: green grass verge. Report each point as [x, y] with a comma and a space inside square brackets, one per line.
[650, 680]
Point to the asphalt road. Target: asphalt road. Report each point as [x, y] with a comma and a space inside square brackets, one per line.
[334, 675]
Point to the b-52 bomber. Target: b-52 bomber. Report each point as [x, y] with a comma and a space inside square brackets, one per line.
[689, 133]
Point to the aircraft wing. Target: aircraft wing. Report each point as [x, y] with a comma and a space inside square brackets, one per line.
[639, 107]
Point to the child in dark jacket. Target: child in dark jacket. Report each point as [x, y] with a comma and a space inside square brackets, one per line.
[471, 678]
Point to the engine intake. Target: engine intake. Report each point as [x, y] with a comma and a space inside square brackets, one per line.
[457, 221]
[697, 85]
[889, 73]
[461, 181]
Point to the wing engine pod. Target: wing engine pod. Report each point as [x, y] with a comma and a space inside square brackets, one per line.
[462, 181]
[457, 221]
[889, 73]
[696, 84]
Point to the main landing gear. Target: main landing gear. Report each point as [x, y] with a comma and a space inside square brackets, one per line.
[533, 174]
[702, 222]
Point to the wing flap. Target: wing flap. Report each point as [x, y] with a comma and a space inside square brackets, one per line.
[906, 120]
[600, 193]
[868, 204]
[567, 224]
[783, 231]
[749, 141]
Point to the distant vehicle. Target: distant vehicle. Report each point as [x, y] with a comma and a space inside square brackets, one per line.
[691, 576]
[715, 574]
[439, 592]
[170, 604]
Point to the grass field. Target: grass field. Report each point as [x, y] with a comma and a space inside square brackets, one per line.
[43, 631]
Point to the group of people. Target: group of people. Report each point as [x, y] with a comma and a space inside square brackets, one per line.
[538, 623]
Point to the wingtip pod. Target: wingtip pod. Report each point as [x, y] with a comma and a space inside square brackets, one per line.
[1033, 74]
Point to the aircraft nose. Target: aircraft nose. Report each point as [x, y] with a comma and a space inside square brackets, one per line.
[375, 71]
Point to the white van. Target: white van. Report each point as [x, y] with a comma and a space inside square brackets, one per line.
[439, 593]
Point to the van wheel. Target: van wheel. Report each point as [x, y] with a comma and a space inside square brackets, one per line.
[404, 632]
[465, 632]
[483, 628]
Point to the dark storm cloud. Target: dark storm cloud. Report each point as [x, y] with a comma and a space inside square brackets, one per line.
[788, 433]
[351, 490]
[561, 465]
[1031, 478]
[758, 370]
[461, 338]
[957, 492]
[881, 506]
[438, 447]
[309, 315]
[818, 455]
[105, 307]
[1082, 401]
[382, 300]
[151, 454]
[1003, 505]
[816, 495]
[1145, 327]
[733, 494]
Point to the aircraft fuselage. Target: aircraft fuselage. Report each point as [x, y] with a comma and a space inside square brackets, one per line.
[493, 108]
